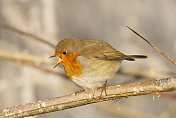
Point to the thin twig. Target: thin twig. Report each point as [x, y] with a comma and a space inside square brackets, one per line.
[24, 57]
[92, 96]
[157, 49]
[6, 26]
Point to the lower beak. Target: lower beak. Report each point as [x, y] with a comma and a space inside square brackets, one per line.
[60, 59]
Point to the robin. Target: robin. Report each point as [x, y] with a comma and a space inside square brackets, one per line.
[90, 63]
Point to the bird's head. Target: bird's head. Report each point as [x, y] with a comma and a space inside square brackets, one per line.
[67, 50]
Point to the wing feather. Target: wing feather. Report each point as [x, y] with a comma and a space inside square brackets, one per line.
[101, 50]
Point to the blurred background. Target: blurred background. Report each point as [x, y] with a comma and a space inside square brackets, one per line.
[27, 75]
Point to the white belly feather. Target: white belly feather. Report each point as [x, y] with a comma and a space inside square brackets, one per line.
[95, 73]
[89, 82]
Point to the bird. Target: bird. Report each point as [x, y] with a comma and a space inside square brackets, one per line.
[90, 63]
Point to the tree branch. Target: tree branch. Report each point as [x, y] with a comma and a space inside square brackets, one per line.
[92, 96]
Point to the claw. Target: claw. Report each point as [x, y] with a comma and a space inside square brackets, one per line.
[103, 88]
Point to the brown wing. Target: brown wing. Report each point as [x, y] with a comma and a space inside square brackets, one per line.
[116, 55]
[101, 50]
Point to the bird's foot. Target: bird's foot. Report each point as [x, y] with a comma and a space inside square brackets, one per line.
[103, 88]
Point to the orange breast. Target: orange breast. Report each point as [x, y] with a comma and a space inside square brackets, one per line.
[72, 66]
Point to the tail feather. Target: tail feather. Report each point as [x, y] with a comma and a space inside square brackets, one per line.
[133, 57]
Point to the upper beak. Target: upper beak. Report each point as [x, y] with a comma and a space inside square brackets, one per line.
[52, 56]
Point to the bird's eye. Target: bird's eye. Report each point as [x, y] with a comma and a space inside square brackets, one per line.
[64, 52]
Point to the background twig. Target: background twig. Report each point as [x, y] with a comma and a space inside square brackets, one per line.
[6, 26]
[24, 57]
[157, 49]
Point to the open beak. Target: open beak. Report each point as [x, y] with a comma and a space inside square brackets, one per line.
[60, 59]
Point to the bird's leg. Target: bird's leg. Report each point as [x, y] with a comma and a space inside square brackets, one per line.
[103, 88]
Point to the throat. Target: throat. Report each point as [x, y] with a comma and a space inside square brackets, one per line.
[73, 68]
